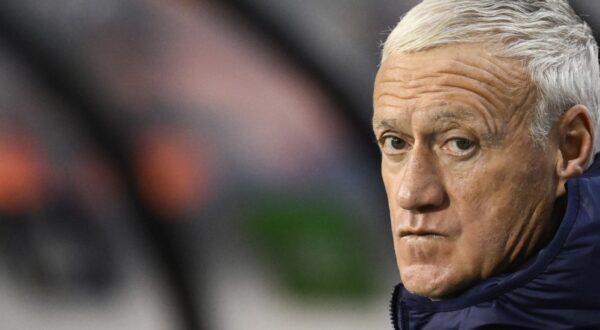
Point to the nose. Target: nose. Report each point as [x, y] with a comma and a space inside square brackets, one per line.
[420, 187]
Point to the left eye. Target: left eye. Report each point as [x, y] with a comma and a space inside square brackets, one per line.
[460, 146]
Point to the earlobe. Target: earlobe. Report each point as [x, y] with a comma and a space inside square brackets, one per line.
[576, 136]
[571, 169]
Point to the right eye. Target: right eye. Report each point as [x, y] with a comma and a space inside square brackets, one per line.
[393, 145]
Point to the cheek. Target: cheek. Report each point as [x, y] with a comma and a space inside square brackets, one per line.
[484, 201]
[503, 185]
[386, 176]
[484, 232]
[389, 176]
[497, 207]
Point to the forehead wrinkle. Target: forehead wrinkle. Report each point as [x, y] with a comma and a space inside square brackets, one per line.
[484, 105]
[404, 93]
[509, 72]
[499, 69]
[441, 115]
[484, 84]
[482, 77]
[476, 106]
[392, 96]
[512, 82]
[506, 72]
[504, 81]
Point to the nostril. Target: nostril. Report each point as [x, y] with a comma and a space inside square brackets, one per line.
[420, 185]
[422, 196]
[433, 207]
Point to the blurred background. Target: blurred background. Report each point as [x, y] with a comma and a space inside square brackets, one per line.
[192, 164]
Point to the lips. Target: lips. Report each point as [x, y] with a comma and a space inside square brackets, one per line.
[424, 233]
[425, 226]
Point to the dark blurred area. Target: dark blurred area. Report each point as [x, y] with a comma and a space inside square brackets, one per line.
[192, 164]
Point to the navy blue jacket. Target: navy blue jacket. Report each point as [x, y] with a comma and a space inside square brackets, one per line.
[558, 288]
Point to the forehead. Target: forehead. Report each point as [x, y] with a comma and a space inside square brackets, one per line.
[461, 78]
[473, 60]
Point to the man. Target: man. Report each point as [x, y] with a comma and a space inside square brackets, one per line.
[485, 113]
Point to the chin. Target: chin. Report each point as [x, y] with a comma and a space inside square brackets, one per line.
[431, 281]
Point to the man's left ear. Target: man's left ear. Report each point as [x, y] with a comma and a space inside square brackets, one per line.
[576, 140]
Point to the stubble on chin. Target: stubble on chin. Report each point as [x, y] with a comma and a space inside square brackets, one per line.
[431, 281]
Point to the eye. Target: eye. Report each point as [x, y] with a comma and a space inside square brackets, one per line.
[460, 146]
[393, 145]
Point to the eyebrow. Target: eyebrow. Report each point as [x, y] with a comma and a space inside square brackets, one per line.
[386, 123]
[441, 116]
[455, 115]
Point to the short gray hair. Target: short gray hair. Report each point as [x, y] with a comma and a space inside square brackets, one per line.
[556, 45]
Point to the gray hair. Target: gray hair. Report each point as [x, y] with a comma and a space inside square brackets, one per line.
[557, 47]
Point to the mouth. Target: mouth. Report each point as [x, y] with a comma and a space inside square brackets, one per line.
[421, 234]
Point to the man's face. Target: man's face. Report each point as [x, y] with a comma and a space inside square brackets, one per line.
[470, 194]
